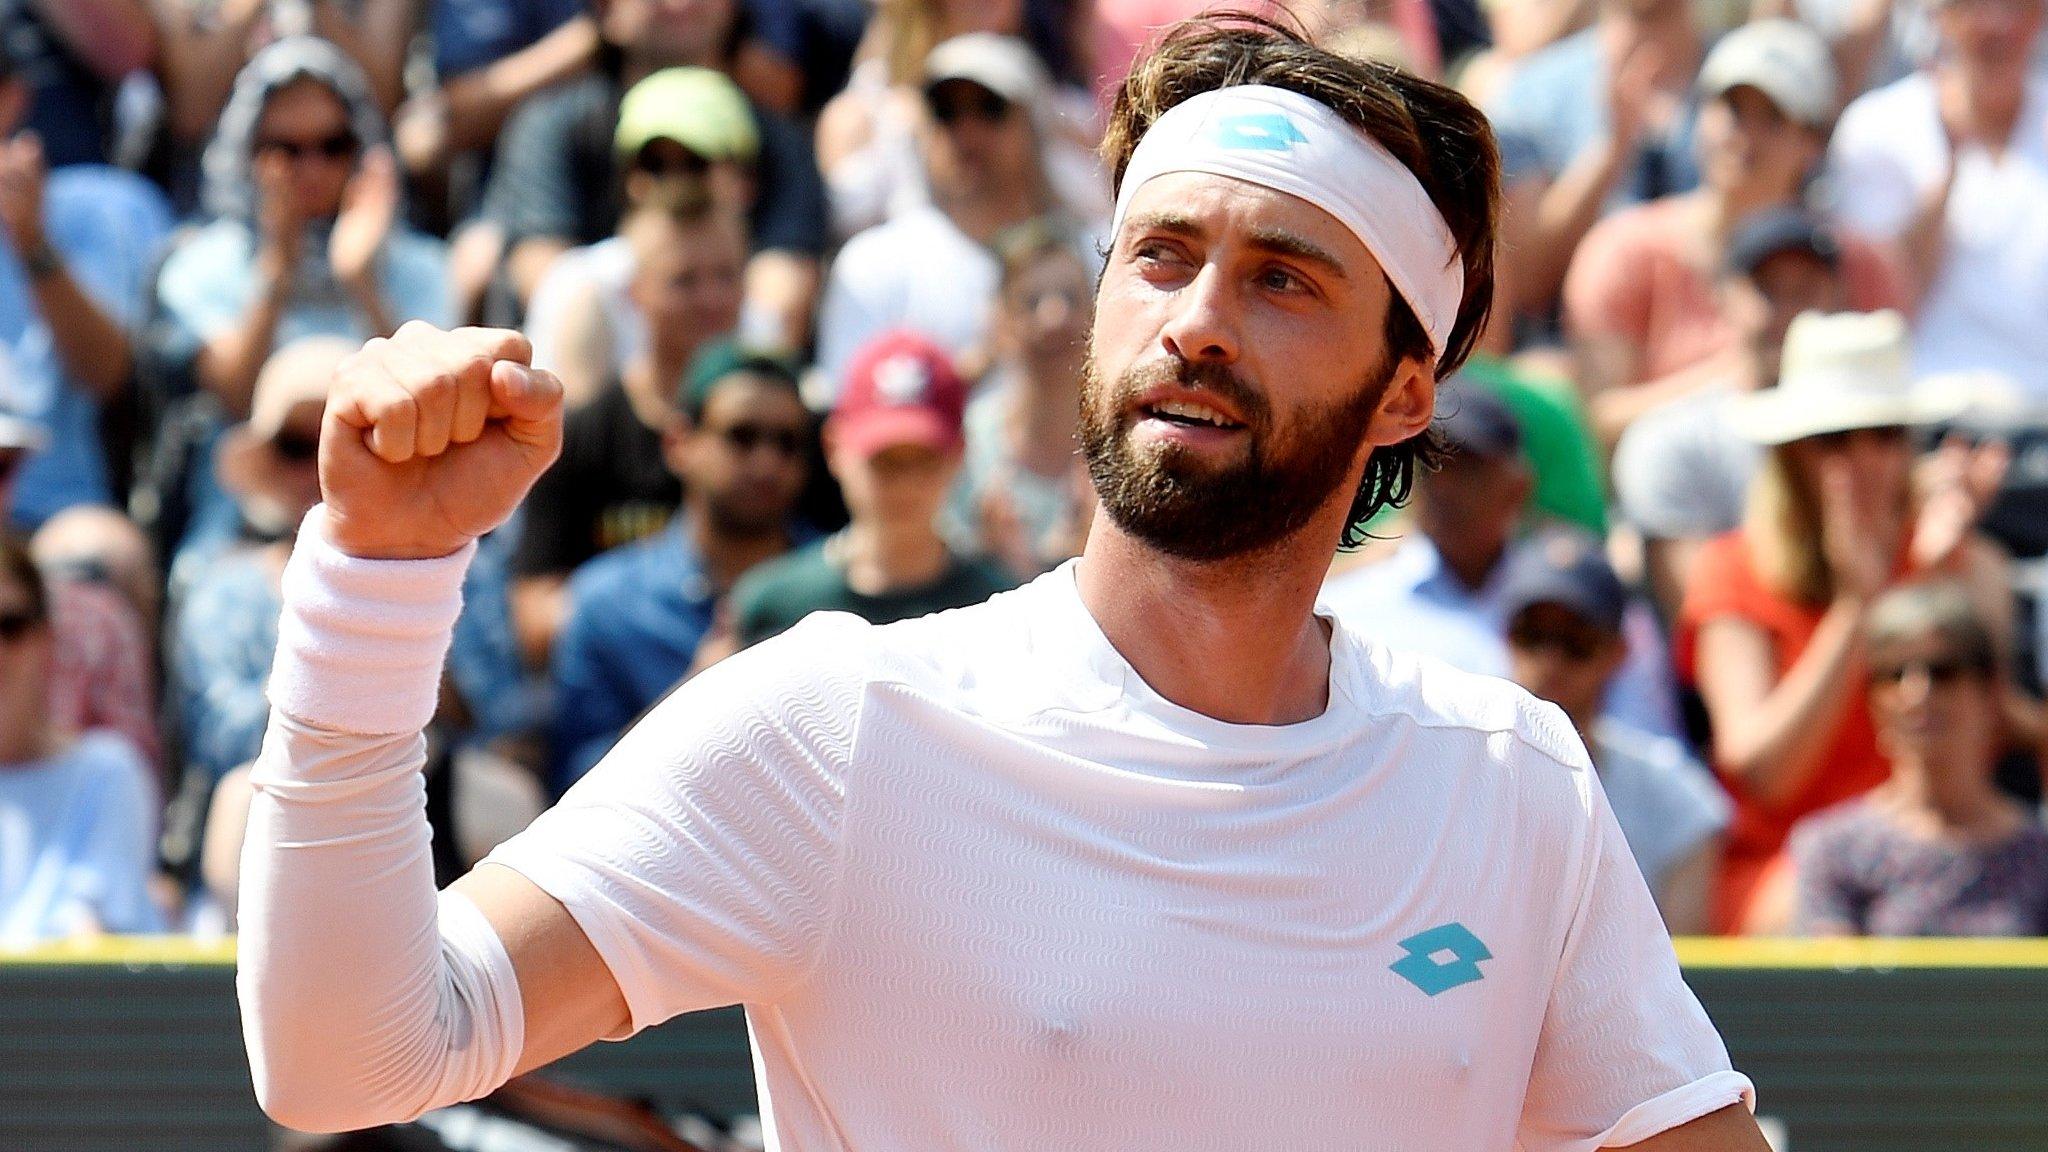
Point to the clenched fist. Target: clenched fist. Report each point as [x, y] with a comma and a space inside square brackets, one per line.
[432, 438]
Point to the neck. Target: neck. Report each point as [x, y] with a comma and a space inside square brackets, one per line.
[1955, 800]
[1235, 640]
[1986, 99]
[981, 215]
[888, 557]
[651, 380]
[1470, 568]
[727, 555]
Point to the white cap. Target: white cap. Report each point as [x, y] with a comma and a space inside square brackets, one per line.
[1004, 65]
[21, 432]
[1783, 59]
[1840, 372]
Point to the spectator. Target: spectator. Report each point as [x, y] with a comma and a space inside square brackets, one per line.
[1681, 473]
[1951, 164]
[1772, 624]
[1639, 299]
[1936, 850]
[206, 44]
[894, 444]
[74, 54]
[76, 249]
[637, 615]
[868, 135]
[101, 671]
[1564, 609]
[1598, 120]
[79, 812]
[305, 238]
[224, 630]
[688, 125]
[558, 180]
[1022, 490]
[610, 485]
[1439, 591]
[489, 57]
[929, 269]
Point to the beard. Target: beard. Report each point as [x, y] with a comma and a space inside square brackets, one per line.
[1181, 505]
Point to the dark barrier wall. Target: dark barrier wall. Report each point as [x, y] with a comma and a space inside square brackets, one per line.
[1855, 1047]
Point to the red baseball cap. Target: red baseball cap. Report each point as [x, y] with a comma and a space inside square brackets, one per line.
[900, 389]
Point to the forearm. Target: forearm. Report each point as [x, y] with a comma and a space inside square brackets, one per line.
[784, 285]
[199, 63]
[479, 101]
[112, 37]
[1784, 741]
[91, 345]
[1923, 244]
[366, 998]
[228, 364]
[376, 39]
[1564, 214]
[370, 302]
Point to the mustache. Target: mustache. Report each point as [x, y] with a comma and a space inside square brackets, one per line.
[1218, 380]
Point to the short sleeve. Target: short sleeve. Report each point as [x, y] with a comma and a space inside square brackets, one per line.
[112, 875]
[204, 287]
[1824, 902]
[1607, 287]
[702, 855]
[1626, 1051]
[1721, 583]
[1873, 184]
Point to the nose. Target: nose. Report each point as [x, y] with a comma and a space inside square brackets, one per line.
[1914, 688]
[1204, 325]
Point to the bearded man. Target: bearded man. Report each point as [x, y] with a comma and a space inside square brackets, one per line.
[1145, 854]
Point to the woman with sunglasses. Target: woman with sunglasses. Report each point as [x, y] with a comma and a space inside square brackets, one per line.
[78, 810]
[1771, 626]
[1937, 849]
[306, 237]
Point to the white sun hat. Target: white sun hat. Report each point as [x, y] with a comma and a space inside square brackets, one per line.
[1843, 371]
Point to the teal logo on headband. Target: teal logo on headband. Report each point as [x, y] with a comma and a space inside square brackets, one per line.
[1256, 132]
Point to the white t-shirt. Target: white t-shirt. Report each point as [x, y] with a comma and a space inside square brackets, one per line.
[980, 887]
[1986, 305]
[77, 843]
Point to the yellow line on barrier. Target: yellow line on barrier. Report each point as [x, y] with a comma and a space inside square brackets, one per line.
[160, 951]
[1699, 952]
[1702, 952]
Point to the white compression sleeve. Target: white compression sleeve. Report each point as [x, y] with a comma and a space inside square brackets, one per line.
[366, 999]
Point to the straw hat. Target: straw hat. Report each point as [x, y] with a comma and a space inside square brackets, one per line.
[1840, 372]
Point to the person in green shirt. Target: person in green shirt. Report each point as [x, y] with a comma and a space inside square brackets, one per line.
[894, 444]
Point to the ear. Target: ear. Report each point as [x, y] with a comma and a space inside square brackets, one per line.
[1407, 405]
[677, 435]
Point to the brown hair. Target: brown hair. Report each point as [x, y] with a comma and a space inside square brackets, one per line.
[1781, 524]
[18, 564]
[1432, 130]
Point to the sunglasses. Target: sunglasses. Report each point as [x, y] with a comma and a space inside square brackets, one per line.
[1837, 441]
[1572, 643]
[953, 106]
[744, 438]
[1941, 671]
[14, 625]
[677, 161]
[295, 447]
[9, 461]
[339, 146]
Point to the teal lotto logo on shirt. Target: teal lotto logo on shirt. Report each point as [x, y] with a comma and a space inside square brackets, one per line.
[1442, 958]
[1257, 132]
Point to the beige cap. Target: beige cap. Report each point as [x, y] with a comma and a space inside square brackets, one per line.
[1840, 372]
[1783, 59]
[298, 373]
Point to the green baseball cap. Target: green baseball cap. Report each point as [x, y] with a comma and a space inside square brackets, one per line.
[725, 358]
[698, 108]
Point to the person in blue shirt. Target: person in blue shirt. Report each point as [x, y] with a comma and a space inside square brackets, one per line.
[77, 244]
[637, 614]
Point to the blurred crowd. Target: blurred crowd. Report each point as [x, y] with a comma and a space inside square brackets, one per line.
[1751, 477]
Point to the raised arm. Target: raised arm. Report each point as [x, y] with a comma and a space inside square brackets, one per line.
[367, 998]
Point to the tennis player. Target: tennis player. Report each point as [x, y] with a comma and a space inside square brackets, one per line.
[1144, 855]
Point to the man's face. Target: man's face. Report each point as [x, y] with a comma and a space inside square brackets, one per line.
[1044, 312]
[663, 32]
[1238, 377]
[687, 281]
[1762, 305]
[902, 485]
[1997, 34]
[25, 653]
[284, 483]
[305, 127]
[1471, 507]
[1745, 142]
[746, 455]
[1562, 657]
[976, 142]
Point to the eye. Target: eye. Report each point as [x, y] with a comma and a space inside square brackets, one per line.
[1277, 279]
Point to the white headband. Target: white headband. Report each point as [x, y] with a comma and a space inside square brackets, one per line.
[1290, 143]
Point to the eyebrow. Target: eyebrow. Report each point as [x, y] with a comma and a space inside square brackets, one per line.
[1277, 241]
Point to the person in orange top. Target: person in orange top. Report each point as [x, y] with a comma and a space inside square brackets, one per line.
[1771, 622]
